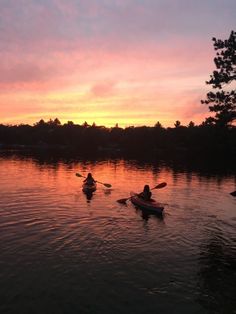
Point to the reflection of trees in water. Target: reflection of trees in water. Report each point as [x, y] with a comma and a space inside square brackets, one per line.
[217, 275]
[207, 168]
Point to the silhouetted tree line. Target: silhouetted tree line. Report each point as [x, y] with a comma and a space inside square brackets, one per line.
[201, 139]
[216, 135]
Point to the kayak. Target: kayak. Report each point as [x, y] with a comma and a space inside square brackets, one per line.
[89, 188]
[151, 205]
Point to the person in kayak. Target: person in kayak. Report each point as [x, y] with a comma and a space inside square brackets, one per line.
[89, 180]
[146, 194]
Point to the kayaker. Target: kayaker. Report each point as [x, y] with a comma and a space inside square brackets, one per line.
[146, 194]
[89, 180]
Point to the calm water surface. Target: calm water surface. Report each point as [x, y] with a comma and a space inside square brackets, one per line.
[63, 253]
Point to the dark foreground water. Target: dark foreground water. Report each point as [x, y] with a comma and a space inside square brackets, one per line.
[63, 253]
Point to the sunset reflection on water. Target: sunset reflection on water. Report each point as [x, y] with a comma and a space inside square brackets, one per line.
[108, 252]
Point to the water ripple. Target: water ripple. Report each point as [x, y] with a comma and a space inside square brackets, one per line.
[54, 239]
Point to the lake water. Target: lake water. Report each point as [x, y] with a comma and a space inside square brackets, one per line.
[63, 253]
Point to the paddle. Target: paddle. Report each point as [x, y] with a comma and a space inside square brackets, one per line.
[159, 186]
[105, 184]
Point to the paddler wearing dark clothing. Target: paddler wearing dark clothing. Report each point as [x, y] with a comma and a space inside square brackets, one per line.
[89, 180]
[146, 194]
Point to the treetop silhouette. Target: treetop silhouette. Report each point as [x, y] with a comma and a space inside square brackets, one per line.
[223, 101]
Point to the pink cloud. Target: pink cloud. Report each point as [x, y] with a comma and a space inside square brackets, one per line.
[153, 57]
[103, 89]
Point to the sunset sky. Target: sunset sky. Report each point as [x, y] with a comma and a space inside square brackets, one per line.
[131, 62]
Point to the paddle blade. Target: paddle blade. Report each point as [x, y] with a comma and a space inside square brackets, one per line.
[78, 175]
[122, 200]
[107, 185]
[160, 186]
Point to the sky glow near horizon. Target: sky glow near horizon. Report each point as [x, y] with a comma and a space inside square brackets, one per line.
[131, 62]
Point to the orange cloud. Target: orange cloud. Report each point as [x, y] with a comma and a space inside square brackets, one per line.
[98, 62]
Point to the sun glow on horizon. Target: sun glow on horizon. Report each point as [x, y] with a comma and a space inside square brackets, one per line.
[101, 63]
